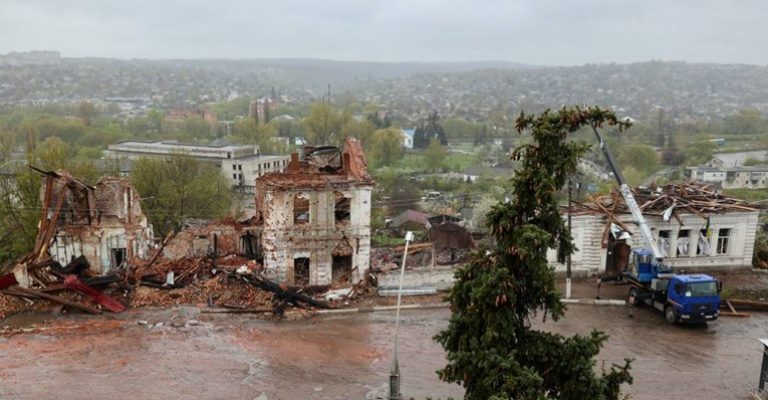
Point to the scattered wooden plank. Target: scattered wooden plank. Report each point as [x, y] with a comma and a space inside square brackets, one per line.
[24, 292]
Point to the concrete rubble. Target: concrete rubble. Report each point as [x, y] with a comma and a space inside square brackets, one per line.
[95, 249]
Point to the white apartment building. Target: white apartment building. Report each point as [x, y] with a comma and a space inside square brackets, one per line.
[241, 164]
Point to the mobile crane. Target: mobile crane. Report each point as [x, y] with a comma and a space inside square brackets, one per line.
[682, 298]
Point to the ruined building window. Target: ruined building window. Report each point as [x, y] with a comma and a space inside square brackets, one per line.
[300, 208]
[723, 237]
[664, 243]
[341, 208]
[118, 257]
[250, 245]
[683, 243]
[702, 246]
[234, 167]
[341, 269]
[301, 271]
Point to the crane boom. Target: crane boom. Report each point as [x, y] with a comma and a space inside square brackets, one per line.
[626, 192]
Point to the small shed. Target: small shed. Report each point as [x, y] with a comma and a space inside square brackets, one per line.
[450, 235]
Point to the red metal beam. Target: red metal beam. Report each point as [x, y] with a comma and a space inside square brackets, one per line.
[72, 282]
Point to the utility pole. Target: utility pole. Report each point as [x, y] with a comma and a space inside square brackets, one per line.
[329, 94]
[764, 369]
[394, 374]
[568, 262]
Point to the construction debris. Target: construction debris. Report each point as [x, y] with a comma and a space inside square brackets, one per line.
[667, 201]
[95, 246]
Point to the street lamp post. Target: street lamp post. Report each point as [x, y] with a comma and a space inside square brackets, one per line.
[568, 260]
[394, 374]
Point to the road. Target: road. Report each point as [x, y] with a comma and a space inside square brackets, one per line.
[341, 357]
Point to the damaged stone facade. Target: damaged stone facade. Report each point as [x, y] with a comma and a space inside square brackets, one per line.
[104, 223]
[316, 216]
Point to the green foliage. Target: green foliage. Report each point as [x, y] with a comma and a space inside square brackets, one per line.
[323, 124]
[87, 112]
[754, 161]
[247, 131]
[19, 212]
[745, 122]
[176, 188]
[642, 158]
[492, 349]
[424, 133]
[435, 155]
[386, 147]
[699, 151]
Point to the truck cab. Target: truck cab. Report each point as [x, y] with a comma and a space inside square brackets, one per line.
[692, 298]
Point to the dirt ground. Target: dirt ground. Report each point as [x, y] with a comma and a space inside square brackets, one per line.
[180, 353]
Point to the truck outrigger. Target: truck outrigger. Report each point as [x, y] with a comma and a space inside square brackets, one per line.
[682, 298]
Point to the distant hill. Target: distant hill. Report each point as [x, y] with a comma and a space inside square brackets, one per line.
[469, 89]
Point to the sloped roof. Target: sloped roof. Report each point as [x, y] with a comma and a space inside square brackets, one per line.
[412, 216]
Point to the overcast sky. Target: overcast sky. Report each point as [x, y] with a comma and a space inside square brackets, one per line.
[543, 32]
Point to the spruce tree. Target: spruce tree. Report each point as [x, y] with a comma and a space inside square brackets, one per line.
[492, 349]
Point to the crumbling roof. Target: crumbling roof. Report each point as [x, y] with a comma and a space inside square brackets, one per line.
[322, 166]
[671, 199]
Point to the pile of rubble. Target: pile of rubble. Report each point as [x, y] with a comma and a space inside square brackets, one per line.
[425, 254]
[93, 252]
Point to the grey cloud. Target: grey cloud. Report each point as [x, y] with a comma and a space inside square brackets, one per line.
[545, 32]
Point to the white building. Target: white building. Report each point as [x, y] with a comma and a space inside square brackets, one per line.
[730, 177]
[241, 164]
[729, 245]
[408, 138]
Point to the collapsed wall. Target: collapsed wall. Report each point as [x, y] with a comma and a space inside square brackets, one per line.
[315, 217]
[104, 223]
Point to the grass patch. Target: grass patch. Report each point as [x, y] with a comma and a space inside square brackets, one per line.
[747, 194]
[384, 240]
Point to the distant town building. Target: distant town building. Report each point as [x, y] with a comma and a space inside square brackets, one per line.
[738, 177]
[736, 159]
[242, 164]
[174, 115]
[727, 170]
[408, 138]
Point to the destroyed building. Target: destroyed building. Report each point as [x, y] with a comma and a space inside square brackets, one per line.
[695, 227]
[104, 223]
[315, 217]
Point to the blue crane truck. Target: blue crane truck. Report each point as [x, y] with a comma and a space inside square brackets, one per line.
[691, 298]
[682, 298]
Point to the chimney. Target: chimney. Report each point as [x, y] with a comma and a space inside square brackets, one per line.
[294, 164]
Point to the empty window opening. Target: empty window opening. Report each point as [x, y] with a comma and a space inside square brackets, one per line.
[300, 209]
[702, 245]
[723, 237]
[301, 271]
[683, 243]
[118, 257]
[341, 269]
[250, 246]
[664, 243]
[341, 208]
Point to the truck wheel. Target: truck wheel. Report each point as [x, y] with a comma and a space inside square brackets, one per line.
[632, 297]
[669, 314]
